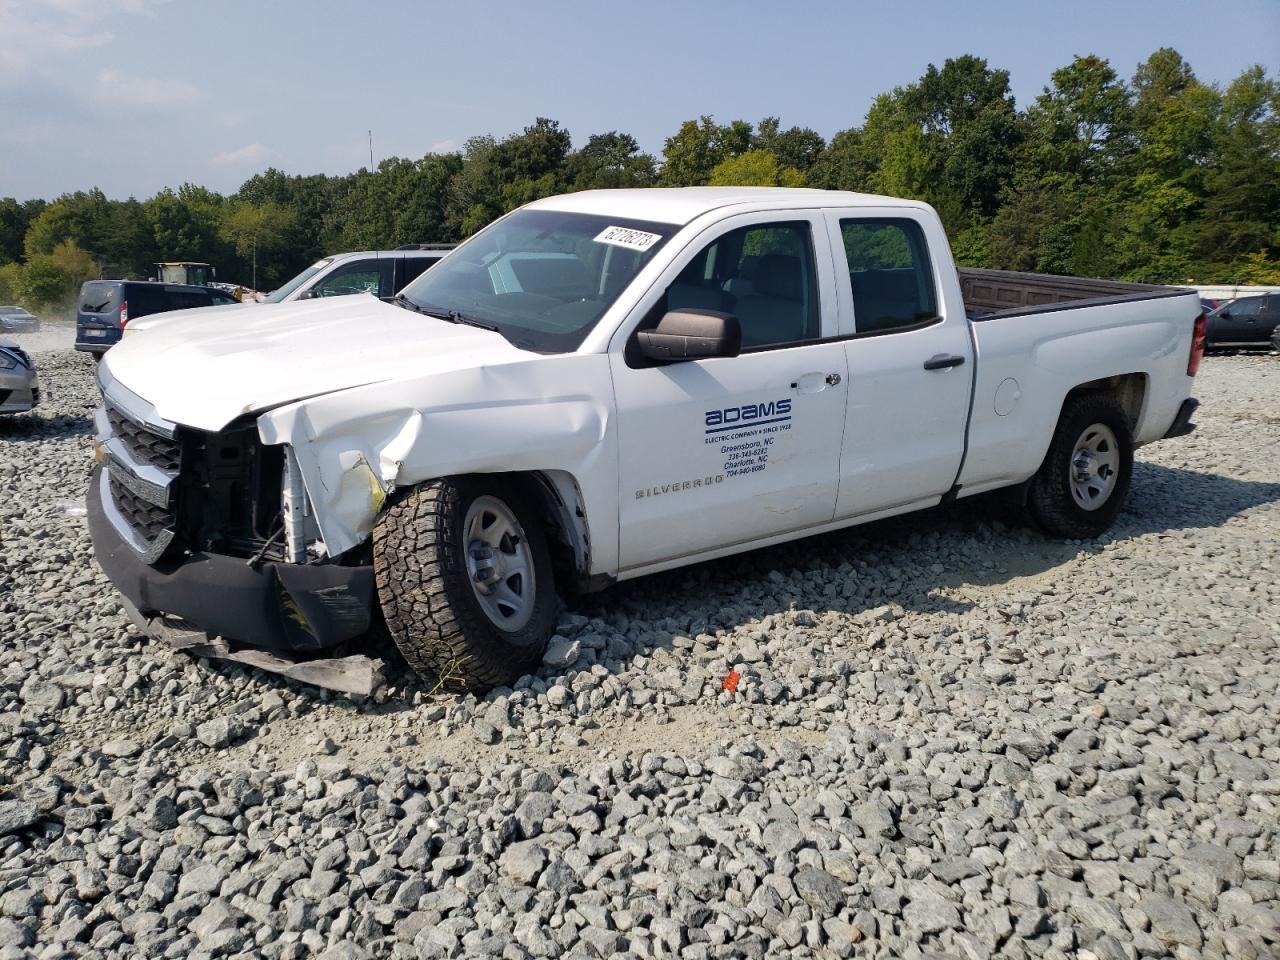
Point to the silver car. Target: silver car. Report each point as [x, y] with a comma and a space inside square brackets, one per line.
[13, 319]
[19, 387]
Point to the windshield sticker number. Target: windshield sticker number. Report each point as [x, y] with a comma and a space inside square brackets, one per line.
[626, 237]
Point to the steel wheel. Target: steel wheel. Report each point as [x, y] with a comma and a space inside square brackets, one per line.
[1095, 466]
[499, 563]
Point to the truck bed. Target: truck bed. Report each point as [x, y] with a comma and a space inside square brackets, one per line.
[989, 294]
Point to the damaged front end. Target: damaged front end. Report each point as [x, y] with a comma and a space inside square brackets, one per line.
[215, 528]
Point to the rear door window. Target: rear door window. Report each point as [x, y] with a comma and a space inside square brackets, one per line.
[357, 276]
[145, 299]
[889, 272]
[99, 297]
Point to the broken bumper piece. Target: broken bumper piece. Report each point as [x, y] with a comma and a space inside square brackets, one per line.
[356, 674]
[281, 607]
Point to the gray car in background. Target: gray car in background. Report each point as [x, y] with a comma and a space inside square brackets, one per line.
[19, 387]
[14, 319]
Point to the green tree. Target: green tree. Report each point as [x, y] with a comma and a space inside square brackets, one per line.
[844, 164]
[257, 234]
[698, 147]
[14, 221]
[185, 225]
[43, 284]
[81, 216]
[796, 147]
[609, 160]
[755, 168]
[9, 280]
[1242, 207]
[76, 263]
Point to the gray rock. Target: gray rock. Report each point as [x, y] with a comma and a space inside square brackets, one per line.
[820, 890]
[218, 732]
[121, 748]
[522, 862]
[203, 878]
[533, 811]
[17, 815]
[930, 913]
[561, 652]
[874, 820]
[782, 837]
[1171, 921]
[42, 696]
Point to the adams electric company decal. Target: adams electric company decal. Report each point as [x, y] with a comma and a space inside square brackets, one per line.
[746, 434]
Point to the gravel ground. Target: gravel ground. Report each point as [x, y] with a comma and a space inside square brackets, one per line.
[952, 738]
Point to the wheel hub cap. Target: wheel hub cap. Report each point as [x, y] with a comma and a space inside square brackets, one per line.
[1095, 466]
[499, 563]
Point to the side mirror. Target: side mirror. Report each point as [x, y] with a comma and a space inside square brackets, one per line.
[691, 335]
[1225, 314]
[308, 294]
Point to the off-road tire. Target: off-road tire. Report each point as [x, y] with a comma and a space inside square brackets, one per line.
[1050, 503]
[430, 607]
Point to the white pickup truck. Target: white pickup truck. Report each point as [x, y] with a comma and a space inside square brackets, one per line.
[603, 385]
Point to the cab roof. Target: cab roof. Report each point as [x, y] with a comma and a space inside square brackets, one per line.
[680, 205]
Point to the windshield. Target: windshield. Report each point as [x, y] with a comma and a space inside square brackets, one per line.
[541, 278]
[278, 295]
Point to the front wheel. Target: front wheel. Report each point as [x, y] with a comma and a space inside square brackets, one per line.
[465, 582]
[1080, 487]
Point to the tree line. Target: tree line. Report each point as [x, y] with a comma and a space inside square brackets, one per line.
[1161, 178]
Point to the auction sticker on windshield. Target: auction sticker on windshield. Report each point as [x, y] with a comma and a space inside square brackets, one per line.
[626, 237]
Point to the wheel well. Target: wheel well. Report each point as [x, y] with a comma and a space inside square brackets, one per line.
[559, 501]
[1129, 389]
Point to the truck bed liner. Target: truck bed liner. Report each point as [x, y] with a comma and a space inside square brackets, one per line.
[990, 294]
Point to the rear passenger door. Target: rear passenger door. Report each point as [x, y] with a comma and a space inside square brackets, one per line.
[724, 451]
[910, 362]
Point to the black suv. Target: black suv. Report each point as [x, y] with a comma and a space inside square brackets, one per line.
[106, 306]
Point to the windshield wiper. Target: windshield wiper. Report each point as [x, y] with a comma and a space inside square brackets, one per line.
[400, 300]
[455, 316]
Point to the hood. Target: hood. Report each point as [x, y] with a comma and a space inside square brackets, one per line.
[204, 368]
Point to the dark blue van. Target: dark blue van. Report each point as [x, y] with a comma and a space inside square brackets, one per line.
[106, 306]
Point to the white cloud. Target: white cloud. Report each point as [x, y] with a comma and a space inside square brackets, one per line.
[249, 154]
[29, 39]
[36, 32]
[444, 146]
[115, 89]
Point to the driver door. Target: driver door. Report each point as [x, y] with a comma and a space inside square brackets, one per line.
[723, 451]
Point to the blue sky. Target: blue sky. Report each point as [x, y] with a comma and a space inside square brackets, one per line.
[134, 95]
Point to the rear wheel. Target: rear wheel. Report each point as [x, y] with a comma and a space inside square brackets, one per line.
[465, 581]
[1081, 486]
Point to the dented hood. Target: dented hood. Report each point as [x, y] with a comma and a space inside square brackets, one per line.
[204, 368]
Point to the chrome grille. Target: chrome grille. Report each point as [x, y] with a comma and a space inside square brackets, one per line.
[146, 447]
[146, 519]
[141, 467]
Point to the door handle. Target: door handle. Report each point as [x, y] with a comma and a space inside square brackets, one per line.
[940, 361]
[815, 382]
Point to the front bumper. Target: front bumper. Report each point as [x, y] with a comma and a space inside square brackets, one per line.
[275, 606]
[19, 390]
